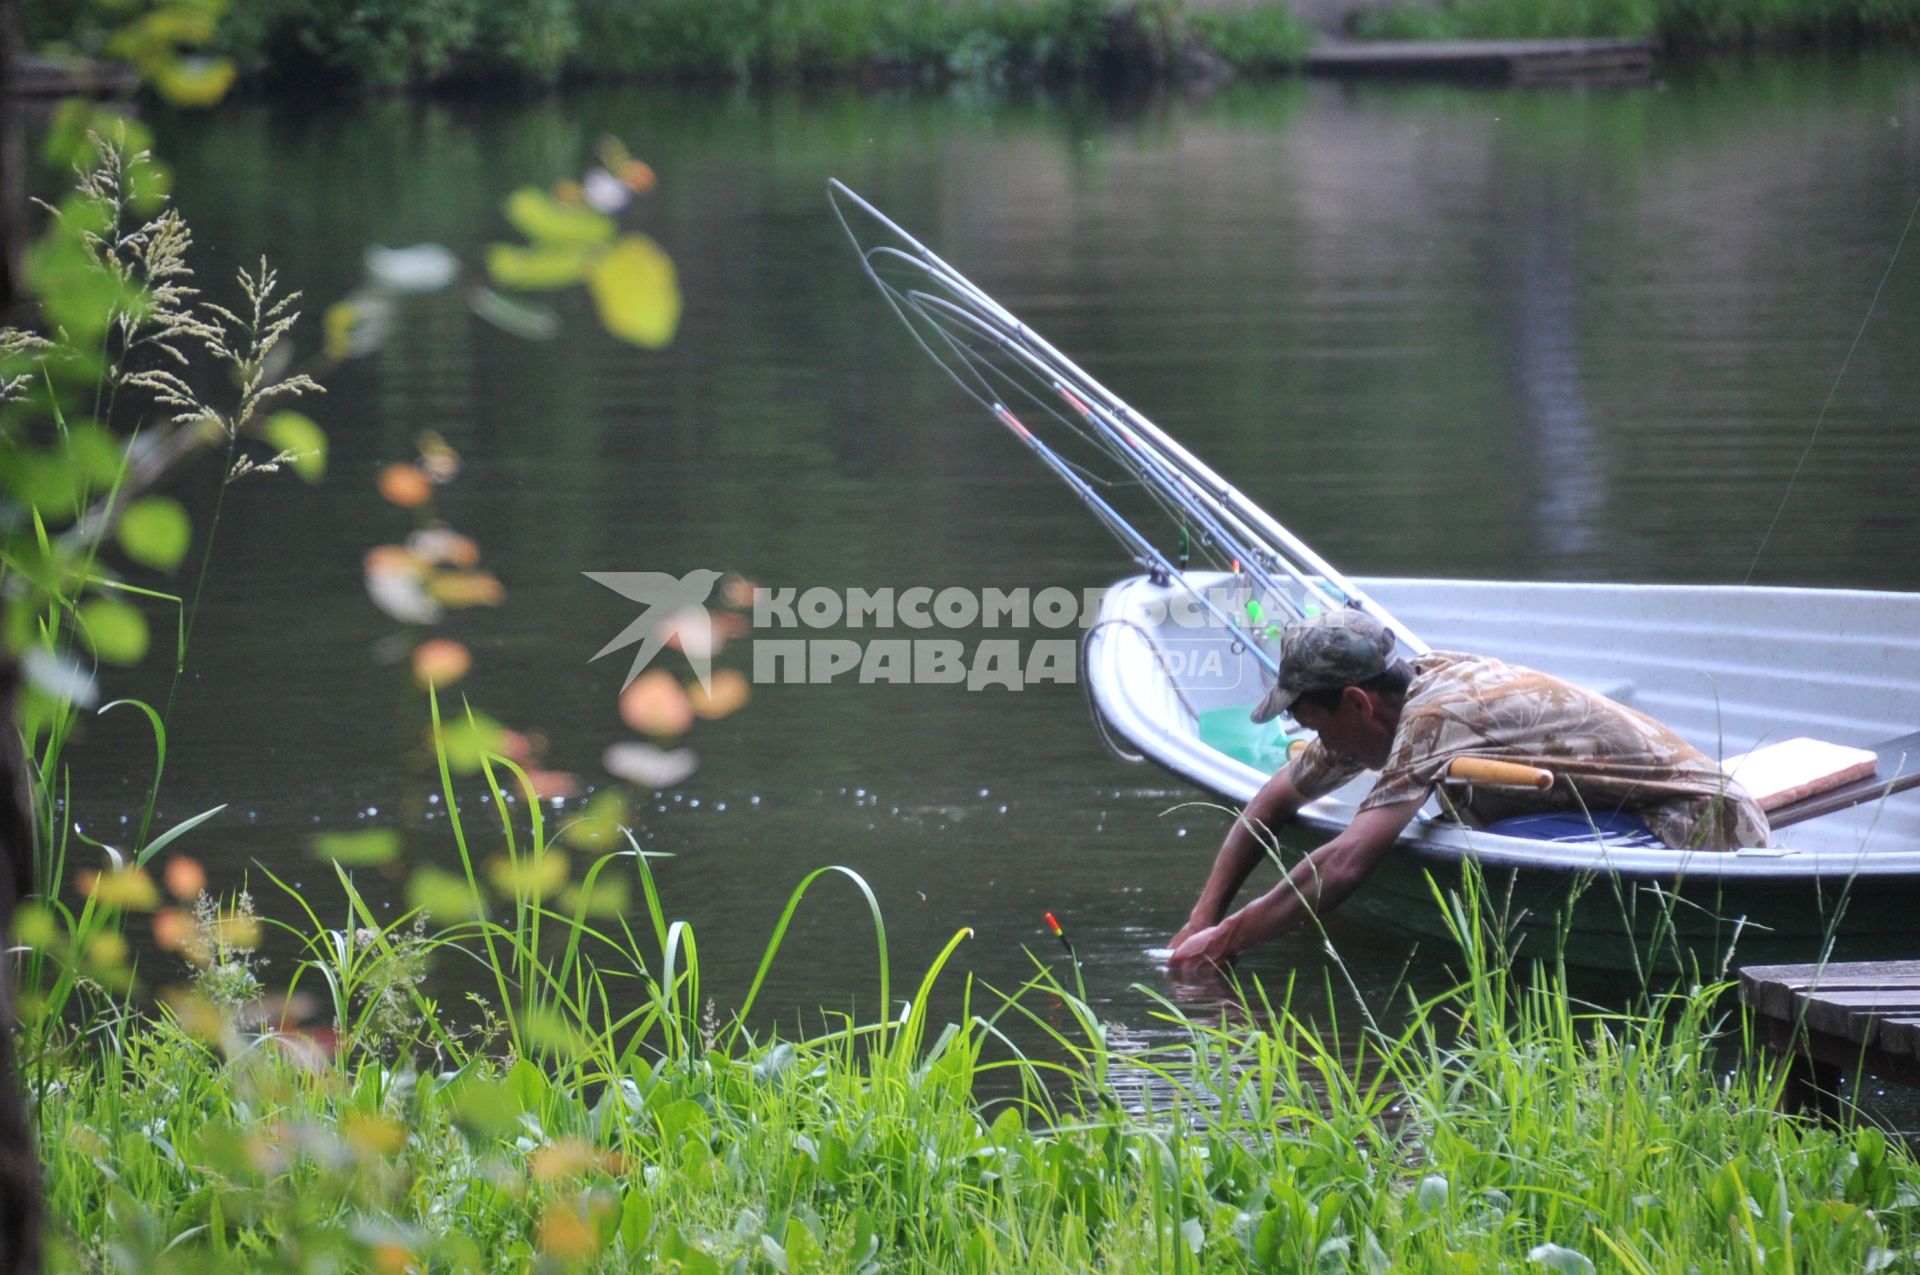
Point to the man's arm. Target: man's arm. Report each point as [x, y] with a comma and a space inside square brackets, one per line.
[1318, 884]
[1241, 852]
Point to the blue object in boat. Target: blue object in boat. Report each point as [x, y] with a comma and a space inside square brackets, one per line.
[1567, 827]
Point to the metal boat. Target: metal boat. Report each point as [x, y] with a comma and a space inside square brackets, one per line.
[1731, 668]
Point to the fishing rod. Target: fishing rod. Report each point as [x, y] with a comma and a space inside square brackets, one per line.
[1142, 460]
[1148, 554]
[1278, 547]
[952, 323]
[1173, 478]
[1251, 556]
[981, 312]
[1158, 473]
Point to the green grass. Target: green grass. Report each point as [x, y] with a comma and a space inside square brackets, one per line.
[600, 1115]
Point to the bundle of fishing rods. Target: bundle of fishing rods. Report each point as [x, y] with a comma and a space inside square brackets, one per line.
[1101, 448]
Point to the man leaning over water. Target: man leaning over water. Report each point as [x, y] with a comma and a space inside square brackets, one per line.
[1410, 721]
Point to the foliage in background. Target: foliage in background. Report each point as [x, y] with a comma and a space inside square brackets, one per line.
[391, 43]
[1679, 22]
[394, 43]
[1258, 38]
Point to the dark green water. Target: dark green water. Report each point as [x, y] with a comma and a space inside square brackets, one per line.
[1520, 335]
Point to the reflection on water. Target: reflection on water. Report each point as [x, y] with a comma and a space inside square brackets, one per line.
[1436, 331]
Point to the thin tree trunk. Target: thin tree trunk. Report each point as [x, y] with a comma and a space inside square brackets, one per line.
[20, 1198]
[20, 1204]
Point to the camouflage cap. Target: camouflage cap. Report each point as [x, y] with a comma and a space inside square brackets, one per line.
[1324, 652]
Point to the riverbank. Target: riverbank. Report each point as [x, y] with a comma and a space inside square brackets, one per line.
[391, 44]
[276, 45]
[1493, 1128]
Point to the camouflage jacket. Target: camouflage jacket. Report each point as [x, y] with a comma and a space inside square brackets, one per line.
[1604, 756]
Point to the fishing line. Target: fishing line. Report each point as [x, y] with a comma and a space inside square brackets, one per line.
[1822, 418]
[981, 366]
[1023, 367]
[1022, 371]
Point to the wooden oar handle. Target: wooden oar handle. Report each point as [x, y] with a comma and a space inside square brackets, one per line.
[1499, 774]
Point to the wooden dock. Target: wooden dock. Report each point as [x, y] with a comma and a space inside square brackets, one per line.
[32, 76]
[1860, 1017]
[1507, 62]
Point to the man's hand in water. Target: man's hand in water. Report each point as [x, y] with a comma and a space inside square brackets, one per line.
[1187, 931]
[1210, 947]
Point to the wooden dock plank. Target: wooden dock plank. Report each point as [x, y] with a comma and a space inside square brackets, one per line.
[32, 75]
[1773, 990]
[1827, 1018]
[1503, 61]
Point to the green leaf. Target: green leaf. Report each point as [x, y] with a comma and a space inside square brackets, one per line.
[148, 183]
[174, 833]
[545, 220]
[77, 123]
[548, 1029]
[542, 266]
[636, 292]
[34, 926]
[366, 848]
[45, 481]
[636, 1220]
[598, 827]
[691, 1258]
[76, 293]
[159, 731]
[1559, 1260]
[483, 1109]
[96, 454]
[443, 895]
[193, 81]
[154, 531]
[679, 1117]
[295, 432]
[468, 740]
[116, 631]
[802, 1247]
[775, 1063]
[607, 896]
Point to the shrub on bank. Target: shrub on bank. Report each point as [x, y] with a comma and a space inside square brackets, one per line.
[1684, 23]
[391, 43]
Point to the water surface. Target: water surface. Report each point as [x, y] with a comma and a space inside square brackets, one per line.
[1549, 335]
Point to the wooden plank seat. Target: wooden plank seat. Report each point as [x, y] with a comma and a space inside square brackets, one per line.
[1828, 1020]
[1898, 770]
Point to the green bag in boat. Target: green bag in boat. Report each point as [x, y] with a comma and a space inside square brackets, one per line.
[1231, 731]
